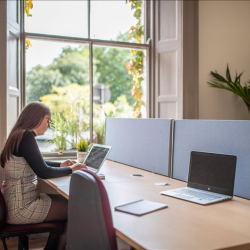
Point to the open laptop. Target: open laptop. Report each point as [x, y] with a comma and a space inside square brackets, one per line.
[211, 179]
[96, 157]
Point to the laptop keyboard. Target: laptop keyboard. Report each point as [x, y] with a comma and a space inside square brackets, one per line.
[199, 195]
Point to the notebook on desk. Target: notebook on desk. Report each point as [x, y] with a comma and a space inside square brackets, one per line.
[211, 179]
[96, 157]
[140, 207]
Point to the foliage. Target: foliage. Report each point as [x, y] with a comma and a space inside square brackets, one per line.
[120, 108]
[82, 145]
[27, 44]
[40, 80]
[231, 85]
[124, 37]
[110, 70]
[71, 107]
[99, 129]
[60, 128]
[72, 66]
[64, 84]
[72, 98]
[71, 104]
[136, 32]
[135, 65]
[28, 7]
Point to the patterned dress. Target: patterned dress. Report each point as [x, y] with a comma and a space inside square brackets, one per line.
[25, 205]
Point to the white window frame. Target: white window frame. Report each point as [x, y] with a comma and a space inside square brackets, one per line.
[92, 42]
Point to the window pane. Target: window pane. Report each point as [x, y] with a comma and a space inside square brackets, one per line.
[65, 18]
[111, 20]
[113, 94]
[58, 75]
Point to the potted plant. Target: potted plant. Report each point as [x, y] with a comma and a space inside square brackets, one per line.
[82, 147]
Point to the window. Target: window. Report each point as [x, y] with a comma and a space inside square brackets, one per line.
[87, 61]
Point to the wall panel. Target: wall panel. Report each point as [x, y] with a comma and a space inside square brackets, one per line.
[142, 143]
[223, 137]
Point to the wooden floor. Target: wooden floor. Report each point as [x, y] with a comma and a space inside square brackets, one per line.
[39, 244]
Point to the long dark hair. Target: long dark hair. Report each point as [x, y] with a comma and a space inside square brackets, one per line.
[31, 117]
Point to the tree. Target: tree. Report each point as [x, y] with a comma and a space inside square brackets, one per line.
[110, 66]
[39, 82]
[72, 66]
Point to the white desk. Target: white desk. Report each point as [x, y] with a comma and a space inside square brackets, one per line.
[184, 225]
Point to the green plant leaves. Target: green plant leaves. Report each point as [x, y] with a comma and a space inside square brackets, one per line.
[82, 145]
[235, 86]
[228, 75]
[135, 65]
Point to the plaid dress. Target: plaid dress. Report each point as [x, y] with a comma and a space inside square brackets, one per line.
[25, 205]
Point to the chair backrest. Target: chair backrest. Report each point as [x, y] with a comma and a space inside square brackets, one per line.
[3, 210]
[90, 224]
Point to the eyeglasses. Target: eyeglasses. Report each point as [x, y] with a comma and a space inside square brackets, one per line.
[49, 121]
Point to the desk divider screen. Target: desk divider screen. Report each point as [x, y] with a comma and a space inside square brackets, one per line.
[224, 137]
[141, 143]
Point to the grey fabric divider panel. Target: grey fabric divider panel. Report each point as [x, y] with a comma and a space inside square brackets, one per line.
[142, 143]
[226, 137]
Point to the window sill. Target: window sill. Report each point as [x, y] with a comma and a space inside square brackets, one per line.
[56, 156]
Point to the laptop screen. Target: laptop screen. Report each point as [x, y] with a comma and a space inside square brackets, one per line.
[96, 156]
[212, 172]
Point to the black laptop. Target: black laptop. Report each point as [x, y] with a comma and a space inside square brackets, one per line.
[211, 179]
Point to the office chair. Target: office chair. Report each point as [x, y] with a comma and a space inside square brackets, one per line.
[90, 224]
[23, 230]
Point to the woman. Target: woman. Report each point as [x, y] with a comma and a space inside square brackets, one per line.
[22, 163]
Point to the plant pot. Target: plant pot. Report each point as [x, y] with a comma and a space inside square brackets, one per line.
[81, 156]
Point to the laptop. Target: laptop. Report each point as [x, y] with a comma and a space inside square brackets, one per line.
[96, 157]
[210, 180]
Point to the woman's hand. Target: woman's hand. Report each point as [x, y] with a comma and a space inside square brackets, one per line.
[67, 163]
[77, 166]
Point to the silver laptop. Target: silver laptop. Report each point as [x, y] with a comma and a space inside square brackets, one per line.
[96, 157]
[211, 179]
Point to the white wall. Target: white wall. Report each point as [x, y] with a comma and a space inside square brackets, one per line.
[224, 37]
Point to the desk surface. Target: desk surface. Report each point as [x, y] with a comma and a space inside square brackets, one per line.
[183, 225]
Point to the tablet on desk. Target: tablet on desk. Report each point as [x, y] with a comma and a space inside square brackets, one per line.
[140, 207]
